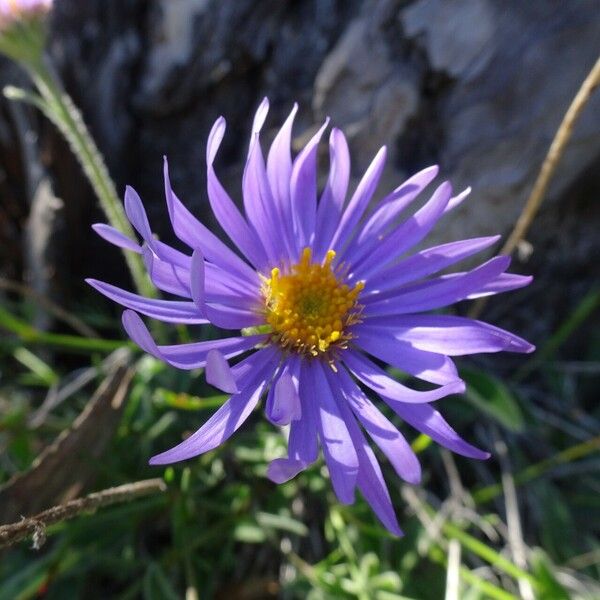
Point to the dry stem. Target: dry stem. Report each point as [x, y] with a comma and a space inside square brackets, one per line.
[14, 532]
[557, 149]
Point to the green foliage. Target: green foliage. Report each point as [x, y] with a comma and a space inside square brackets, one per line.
[491, 396]
[223, 530]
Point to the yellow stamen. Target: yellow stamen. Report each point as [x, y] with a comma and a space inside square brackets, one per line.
[309, 308]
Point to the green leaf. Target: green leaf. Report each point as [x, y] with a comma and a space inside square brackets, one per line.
[157, 586]
[249, 533]
[421, 443]
[36, 365]
[548, 587]
[281, 522]
[489, 394]
[74, 343]
[183, 401]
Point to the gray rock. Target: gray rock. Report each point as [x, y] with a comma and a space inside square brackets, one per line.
[365, 93]
[478, 86]
[513, 70]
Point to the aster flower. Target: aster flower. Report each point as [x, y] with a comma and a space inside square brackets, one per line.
[323, 291]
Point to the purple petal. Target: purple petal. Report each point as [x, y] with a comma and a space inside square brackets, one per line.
[303, 442]
[338, 448]
[505, 282]
[185, 356]
[283, 400]
[260, 117]
[279, 173]
[218, 372]
[262, 210]
[391, 206]
[429, 421]
[370, 479]
[450, 335]
[268, 354]
[427, 262]
[114, 236]
[405, 235]
[372, 486]
[221, 286]
[303, 190]
[428, 366]
[224, 282]
[226, 317]
[168, 311]
[359, 201]
[439, 292]
[379, 381]
[279, 162]
[169, 254]
[456, 201]
[134, 209]
[230, 317]
[136, 213]
[216, 430]
[333, 197]
[224, 422]
[303, 446]
[387, 211]
[383, 432]
[223, 207]
[190, 231]
[281, 470]
[253, 200]
[166, 276]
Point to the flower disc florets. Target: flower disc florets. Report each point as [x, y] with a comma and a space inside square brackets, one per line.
[310, 307]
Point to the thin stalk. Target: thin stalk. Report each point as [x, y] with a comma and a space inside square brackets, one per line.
[75, 343]
[437, 553]
[61, 110]
[572, 453]
[486, 553]
[36, 525]
[493, 591]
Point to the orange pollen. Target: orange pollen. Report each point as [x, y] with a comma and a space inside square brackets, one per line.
[310, 308]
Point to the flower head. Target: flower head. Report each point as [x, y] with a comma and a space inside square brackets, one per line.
[321, 291]
[22, 28]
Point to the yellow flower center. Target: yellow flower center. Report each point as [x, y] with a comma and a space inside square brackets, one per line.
[310, 308]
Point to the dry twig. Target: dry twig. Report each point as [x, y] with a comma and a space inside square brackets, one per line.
[35, 526]
[557, 149]
[516, 543]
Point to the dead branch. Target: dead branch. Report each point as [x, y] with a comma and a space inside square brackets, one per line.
[36, 525]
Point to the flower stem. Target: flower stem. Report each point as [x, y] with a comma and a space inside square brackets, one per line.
[60, 109]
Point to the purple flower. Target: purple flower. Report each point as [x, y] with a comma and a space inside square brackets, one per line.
[322, 291]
